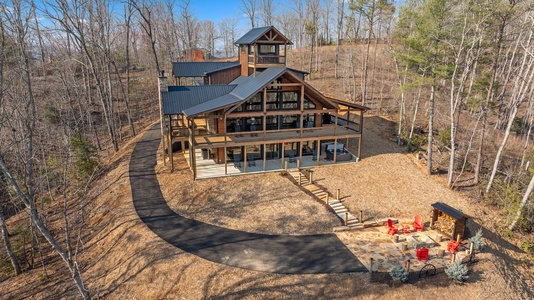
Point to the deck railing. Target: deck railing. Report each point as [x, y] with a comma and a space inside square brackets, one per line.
[267, 59]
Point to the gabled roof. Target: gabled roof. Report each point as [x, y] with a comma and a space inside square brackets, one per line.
[200, 69]
[454, 213]
[256, 33]
[195, 100]
[246, 88]
[179, 98]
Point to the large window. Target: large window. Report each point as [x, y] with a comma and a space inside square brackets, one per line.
[268, 49]
[290, 100]
[290, 121]
[271, 122]
[283, 100]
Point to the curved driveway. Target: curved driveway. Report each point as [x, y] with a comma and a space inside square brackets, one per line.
[314, 254]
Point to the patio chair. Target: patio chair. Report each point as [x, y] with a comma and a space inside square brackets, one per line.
[421, 254]
[237, 128]
[392, 229]
[250, 160]
[452, 246]
[237, 160]
[406, 229]
[418, 223]
[292, 158]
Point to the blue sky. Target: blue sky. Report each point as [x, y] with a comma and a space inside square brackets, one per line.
[216, 10]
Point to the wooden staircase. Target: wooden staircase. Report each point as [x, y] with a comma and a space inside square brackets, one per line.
[349, 220]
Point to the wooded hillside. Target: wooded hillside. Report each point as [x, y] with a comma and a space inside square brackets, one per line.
[78, 81]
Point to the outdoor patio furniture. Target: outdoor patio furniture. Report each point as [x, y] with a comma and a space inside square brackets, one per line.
[237, 128]
[418, 223]
[452, 246]
[392, 229]
[237, 160]
[292, 158]
[250, 160]
[421, 254]
[406, 228]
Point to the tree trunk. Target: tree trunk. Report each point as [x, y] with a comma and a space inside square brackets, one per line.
[523, 203]
[7, 243]
[29, 203]
[518, 94]
[430, 129]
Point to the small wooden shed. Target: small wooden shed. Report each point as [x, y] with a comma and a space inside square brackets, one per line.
[448, 220]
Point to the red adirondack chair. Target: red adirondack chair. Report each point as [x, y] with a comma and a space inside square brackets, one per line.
[392, 229]
[452, 246]
[418, 223]
[422, 254]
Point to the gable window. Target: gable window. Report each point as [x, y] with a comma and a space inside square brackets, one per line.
[254, 104]
[308, 104]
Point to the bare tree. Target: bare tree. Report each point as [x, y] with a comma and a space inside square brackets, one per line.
[249, 8]
[16, 22]
[267, 12]
[3, 192]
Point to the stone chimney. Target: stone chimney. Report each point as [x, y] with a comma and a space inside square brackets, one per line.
[162, 79]
[163, 88]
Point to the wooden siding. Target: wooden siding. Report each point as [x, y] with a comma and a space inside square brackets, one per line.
[243, 59]
[225, 76]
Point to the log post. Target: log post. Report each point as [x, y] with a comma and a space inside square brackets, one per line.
[408, 266]
[361, 216]
[371, 265]
[346, 218]
[337, 194]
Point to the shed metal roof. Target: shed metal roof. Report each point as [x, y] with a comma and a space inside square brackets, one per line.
[179, 98]
[255, 33]
[200, 69]
[456, 214]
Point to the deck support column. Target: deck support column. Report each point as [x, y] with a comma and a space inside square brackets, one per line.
[361, 136]
[264, 157]
[335, 150]
[283, 154]
[170, 144]
[245, 159]
[318, 151]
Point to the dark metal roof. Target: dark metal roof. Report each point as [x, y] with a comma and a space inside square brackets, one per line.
[200, 69]
[252, 84]
[211, 105]
[252, 35]
[454, 213]
[180, 98]
[247, 87]
[255, 33]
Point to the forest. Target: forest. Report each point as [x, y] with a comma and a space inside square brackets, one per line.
[78, 80]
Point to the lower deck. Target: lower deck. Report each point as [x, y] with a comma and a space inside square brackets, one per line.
[206, 167]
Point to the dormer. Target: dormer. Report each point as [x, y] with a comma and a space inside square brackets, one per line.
[261, 48]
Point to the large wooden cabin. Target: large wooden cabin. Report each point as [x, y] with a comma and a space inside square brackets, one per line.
[254, 115]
